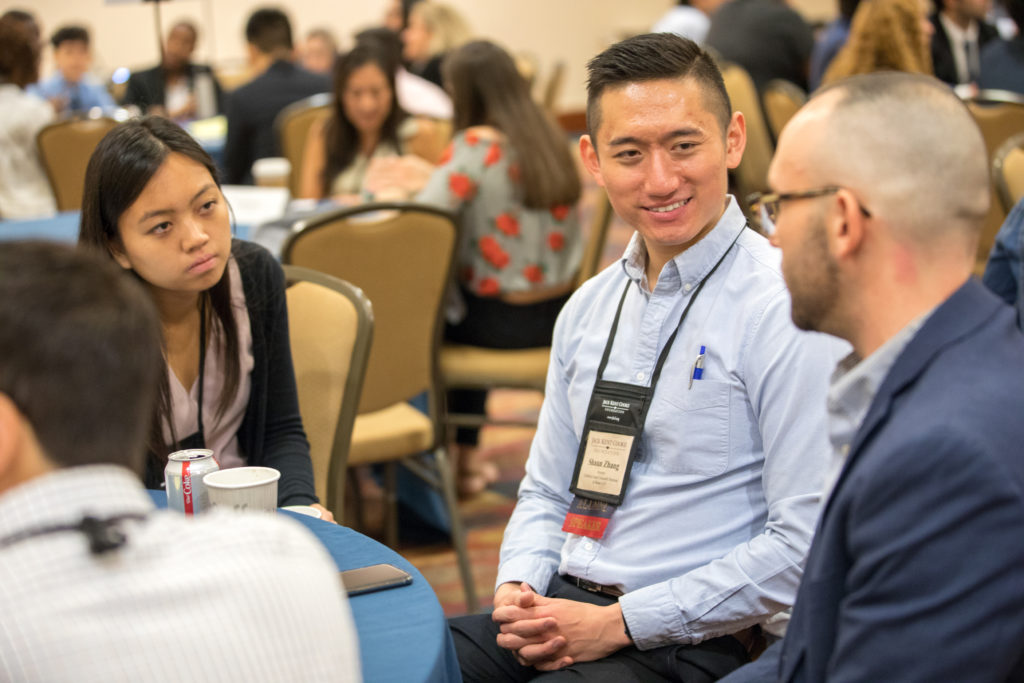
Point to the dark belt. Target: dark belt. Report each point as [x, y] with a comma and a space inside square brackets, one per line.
[607, 591]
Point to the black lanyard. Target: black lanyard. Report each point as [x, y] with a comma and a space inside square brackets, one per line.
[198, 439]
[103, 534]
[668, 345]
[615, 418]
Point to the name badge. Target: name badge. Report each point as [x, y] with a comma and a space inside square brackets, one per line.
[615, 420]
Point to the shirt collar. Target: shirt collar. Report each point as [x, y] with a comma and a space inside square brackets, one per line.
[957, 34]
[855, 382]
[692, 265]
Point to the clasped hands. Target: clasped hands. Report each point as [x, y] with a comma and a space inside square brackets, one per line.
[553, 633]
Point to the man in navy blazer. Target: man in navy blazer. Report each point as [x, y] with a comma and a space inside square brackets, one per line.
[916, 572]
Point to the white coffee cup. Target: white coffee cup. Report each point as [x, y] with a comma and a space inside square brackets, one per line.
[243, 488]
[271, 172]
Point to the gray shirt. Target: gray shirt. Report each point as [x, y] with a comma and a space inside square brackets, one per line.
[852, 389]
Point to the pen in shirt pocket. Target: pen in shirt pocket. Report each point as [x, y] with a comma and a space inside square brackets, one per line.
[698, 367]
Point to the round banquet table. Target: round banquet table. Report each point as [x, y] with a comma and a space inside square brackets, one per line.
[403, 635]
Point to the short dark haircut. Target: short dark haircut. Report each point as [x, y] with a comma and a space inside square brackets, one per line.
[269, 30]
[69, 33]
[386, 41]
[79, 353]
[650, 57]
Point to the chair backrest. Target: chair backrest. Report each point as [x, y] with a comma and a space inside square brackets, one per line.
[1000, 116]
[781, 100]
[752, 173]
[400, 255]
[330, 324]
[431, 139]
[1008, 171]
[293, 124]
[64, 149]
[597, 237]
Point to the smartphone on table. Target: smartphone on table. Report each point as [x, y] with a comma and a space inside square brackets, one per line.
[373, 578]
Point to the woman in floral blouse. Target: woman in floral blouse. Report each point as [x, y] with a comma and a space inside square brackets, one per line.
[510, 176]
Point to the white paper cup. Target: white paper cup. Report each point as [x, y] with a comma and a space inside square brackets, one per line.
[243, 488]
[271, 172]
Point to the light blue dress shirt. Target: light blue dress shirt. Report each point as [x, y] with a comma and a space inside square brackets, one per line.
[81, 96]
[723, 497]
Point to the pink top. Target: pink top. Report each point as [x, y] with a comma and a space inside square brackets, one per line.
[221, 434]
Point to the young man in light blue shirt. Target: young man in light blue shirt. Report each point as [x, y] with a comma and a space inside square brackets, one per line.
[707, 536]
[70, 89]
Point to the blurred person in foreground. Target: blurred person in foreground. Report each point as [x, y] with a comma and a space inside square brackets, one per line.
[24, 188]
[253, 107]
[95, 583]
[886, 35]
[177, 88]
[1004, 271]
[685, 349]
[72, 89]
[916, 572]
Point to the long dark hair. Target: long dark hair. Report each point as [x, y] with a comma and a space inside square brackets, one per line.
[119, 169]
[342, 138]
[487, 90]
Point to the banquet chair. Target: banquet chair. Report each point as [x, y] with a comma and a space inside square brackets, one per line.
[293, 124]
[1008, 171]
[475, 367]
[752, 173]
[330, 327]
[64, 149]
[400, 255]
[781, 100]
[1000, 115]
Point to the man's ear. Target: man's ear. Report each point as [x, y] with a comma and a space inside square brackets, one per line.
[11, 436]
[588, 153]
[847, 225]
[735, 140]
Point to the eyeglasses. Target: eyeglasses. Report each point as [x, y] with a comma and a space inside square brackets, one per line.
[766, 204]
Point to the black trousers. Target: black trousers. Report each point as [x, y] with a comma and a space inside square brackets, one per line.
[481, 659]
[494, 324]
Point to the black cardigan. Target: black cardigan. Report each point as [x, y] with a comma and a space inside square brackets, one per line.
[271, 434]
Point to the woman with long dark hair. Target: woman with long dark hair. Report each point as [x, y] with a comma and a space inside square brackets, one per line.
[365, 123]
[510, 175]
[153, 203]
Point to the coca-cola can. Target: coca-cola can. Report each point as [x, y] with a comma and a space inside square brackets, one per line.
[183, 478]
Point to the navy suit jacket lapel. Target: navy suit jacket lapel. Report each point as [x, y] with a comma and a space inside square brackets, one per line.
[969, 307]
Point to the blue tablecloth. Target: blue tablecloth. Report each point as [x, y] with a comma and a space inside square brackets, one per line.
[403, 635]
